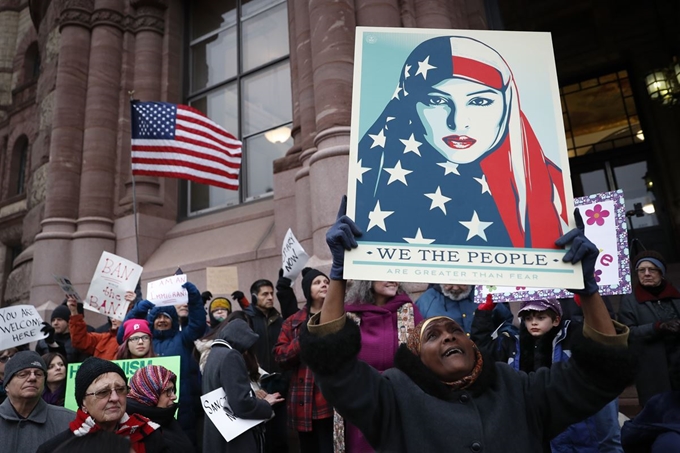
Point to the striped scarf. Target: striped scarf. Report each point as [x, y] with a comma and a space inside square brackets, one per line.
[134, 427]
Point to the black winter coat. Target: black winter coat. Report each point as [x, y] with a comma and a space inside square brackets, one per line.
[173, 434]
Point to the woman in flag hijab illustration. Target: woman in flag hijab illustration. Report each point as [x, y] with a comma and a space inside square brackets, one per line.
[453, 157]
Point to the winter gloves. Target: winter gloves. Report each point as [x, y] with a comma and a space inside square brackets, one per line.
[582, 250]
[341, 237]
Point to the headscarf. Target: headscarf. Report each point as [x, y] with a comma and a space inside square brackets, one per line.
[147, 384]
[413, 343]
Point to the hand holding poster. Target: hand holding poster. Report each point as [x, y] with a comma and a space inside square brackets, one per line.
[19, 324]
[66, 286]
[168, 291]
[604, 217]
[451, 177]
[293, 256]
[215, 406]
[113, 277]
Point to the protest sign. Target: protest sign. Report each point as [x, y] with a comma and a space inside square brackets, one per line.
[449, 186]
[168, 291]
[604, 218]
[67, 287]
[113, 277]
[293, 256]
[129, 367]
[221, 281]
[19, 324]
[216, 407]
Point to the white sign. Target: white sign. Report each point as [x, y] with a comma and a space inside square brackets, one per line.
[113, 277]
[66, 286]
[293, 256]
[19, 324]
[216, 407]
[168, 291]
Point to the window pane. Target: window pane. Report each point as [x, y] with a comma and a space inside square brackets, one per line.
[266, 99]
[251, 7]
[631, 178]
[265, 37]
[261, 154]
[207, 16]
[214, 59]
[204, 197]
[221, 106]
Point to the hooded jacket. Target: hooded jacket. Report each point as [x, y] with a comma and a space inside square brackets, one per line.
[434, 303]
[226, 368]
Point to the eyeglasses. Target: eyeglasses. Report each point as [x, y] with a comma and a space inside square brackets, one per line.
[139, 338]
[170, 392]
[24, 374]
[106, 393]
[651, 270]
[5, 358]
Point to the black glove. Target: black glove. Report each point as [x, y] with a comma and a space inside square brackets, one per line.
[206, 296]
[49, 331]
[582, 250]
[192, 292]
[341, 237]
[237, 295]
[670, 326]
[283, 281]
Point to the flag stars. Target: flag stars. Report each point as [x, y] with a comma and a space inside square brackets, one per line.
[378, 139]
[484, 184]
[449, 168]
[377, 217]
[396, 92]
[397, 174]
[411, 145]
[418, 239]
[476, 227]
[360, 171]
[438, 200]
[407, 68]
[424, 66]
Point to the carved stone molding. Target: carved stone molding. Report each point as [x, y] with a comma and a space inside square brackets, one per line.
[76, 12]
[149, 18]
[156, 4]
[108, 17]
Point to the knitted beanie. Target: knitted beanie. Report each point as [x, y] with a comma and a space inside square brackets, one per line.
[220, 302]
[308, 276]
[91, 369]
[653, 257]
[133, 326]
[61, 312]
[21, 361]
[147, 384]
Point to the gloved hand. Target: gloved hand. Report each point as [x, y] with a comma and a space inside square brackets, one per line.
[340, 237]
[206, 296]
[193, 292]
[670, 326]
[237, 295]
[283, 281]
[144, 306]
[583, 251]
[49, 331]
[488, 305]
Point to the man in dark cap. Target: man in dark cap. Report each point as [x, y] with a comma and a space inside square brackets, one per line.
[58, 330]
[26, 421]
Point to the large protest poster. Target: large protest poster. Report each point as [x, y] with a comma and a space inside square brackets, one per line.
[217, 409]
[604, 217]
[113, 277]
[129, 367]
[168, 291]
[293, 256]
[19, 324]
[450, 179]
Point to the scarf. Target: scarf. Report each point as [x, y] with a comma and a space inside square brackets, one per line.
[134, 427]
[663, 291]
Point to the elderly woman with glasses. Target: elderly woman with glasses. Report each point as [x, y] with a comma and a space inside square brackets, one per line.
[153, 394]
[652, 312]
[100, 391]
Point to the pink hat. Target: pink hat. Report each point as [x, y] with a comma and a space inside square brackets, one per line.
[133, 326]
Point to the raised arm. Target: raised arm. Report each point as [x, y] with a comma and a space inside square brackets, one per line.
[286, 296]
[196, 327]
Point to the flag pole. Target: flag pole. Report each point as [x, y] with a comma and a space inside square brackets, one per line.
[134, 192]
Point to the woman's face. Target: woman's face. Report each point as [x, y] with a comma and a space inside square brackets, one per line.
[385, 289]
[106, 410]
[167, 397]
[319, 288]
[139, 344]
[56, 371]
[462, 118]
[447, 351]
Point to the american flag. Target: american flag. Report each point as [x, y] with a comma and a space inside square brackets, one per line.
[178, 141]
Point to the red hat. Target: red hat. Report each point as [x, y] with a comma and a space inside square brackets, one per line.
[133, 326]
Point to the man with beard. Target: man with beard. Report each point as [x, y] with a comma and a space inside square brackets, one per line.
[451, 300]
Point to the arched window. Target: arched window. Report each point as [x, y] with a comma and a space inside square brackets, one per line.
[18, 166]
[31, 62]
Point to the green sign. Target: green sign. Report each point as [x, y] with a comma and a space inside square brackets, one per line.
[129, 367]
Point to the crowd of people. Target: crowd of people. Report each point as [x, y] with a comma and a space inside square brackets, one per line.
[359, 367]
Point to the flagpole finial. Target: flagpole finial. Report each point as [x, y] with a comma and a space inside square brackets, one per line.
[131, 94]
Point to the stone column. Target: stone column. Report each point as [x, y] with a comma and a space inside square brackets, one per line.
[433, 14]
[378, 13]
[95, 220]
[332, 50]
[52, 246]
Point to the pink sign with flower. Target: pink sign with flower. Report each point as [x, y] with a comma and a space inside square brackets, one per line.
[605, 224]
